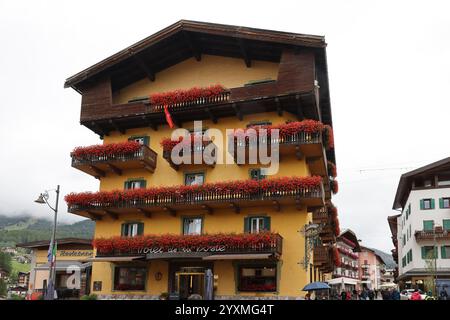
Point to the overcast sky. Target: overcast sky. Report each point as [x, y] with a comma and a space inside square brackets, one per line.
[389, 72]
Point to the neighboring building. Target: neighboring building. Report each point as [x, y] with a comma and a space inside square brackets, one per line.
[73, 267]
[370, 268]
[392, 221]
[179, 222]
[346, 273]
[3, 274]
[18, 291]
[423, 196]
[23, 279]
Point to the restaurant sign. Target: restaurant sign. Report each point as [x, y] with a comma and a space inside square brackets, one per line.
[75, 253]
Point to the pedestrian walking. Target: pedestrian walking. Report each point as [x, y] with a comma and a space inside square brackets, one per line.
[343, 295]
[395, 295]
[443, 295]
[416, 295]
[371, 295]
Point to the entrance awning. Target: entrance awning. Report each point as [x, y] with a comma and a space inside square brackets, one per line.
[343, 280]
[238, 256]
[114, 259]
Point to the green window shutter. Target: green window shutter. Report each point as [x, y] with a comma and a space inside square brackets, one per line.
[446, 224]
[421, 205]
[143, 184]
[424, 256]
[432, 203]
[147, 140]
[441, 203]
[267, 223]
[247, 224]
[428, 225]
[126, 185]
[443, 253]
[409, 209]
[123, 230]
[255, 174]
[140, 229]
[436, 252]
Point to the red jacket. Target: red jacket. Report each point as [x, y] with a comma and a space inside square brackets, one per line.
[416, 296]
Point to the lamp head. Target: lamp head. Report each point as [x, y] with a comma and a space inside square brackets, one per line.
[42, 198]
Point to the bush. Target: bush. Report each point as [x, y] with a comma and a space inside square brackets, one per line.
[16, 297]
[89, 297]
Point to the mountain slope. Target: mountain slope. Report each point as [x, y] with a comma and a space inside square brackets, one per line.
[26, 228]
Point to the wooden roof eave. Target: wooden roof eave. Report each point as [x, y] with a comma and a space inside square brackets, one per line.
[199, 27]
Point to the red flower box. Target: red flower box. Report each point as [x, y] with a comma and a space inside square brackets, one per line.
[332, 169]
[180, 96]
[179, 193]
[336, 257]
[104, 150]
[292, 128]
[252, 241]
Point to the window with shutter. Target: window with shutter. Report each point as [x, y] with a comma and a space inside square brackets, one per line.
[247, 224]
[444, 203]
[445, 252]
[446, 224]
[428, 225]
[426, 204]
[143, 140]
[135, 184]
[191, 179]
[256, 174]
[132, 229]
[257, 224]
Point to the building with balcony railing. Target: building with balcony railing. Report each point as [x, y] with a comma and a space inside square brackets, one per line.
[421, 232]
[165, 225]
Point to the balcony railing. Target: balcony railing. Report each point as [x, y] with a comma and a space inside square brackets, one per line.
[437, 233]
[206, 200]
[321, 216]
[99, 165]
[273, 246]
[223, 97]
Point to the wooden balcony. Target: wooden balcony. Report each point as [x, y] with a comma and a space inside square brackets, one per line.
[195, 152]
[273, 248]
[438, 233]
[322, 258]
[301, 197]
[236, 102]
[321, 216]
[99, 166]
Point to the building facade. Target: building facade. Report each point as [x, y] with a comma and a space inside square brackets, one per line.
[423, 239]
[345, 275]
[206, 226]
[73, 267]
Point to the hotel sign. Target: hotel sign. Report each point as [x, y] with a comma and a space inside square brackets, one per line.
[156, 250]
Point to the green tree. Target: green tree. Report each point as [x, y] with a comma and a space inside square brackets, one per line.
[2, 288]
[5, 261]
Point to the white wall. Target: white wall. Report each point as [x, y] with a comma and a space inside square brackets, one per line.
[415, 221]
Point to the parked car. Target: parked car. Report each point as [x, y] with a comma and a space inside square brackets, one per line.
[406, 294]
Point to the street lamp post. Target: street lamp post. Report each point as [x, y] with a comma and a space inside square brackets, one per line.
[43, 197]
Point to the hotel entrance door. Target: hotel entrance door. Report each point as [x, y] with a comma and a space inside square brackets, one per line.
[190, 283]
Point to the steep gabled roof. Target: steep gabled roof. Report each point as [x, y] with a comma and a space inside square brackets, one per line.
[185, 39]
[350, 235]
[405, 183]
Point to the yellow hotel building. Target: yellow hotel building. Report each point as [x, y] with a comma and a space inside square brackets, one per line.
[229, 230]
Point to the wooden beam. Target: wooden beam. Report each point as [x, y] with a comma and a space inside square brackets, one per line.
[170, 210]
[147, 70]
[276, 205]
[147, 166]
[146, 213]
[313, 208]
[151, 124]
[97, 127]
[300, 115]
[113, 215]
[244, 52]
[192, 45]
[298, 204]
[238, 111]
[298, 152]
[117, 127]
[94, 216]
[235, 207]
[279, 107]
[211, 115]
[207, 208]
[99, 172]
[114, 169]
